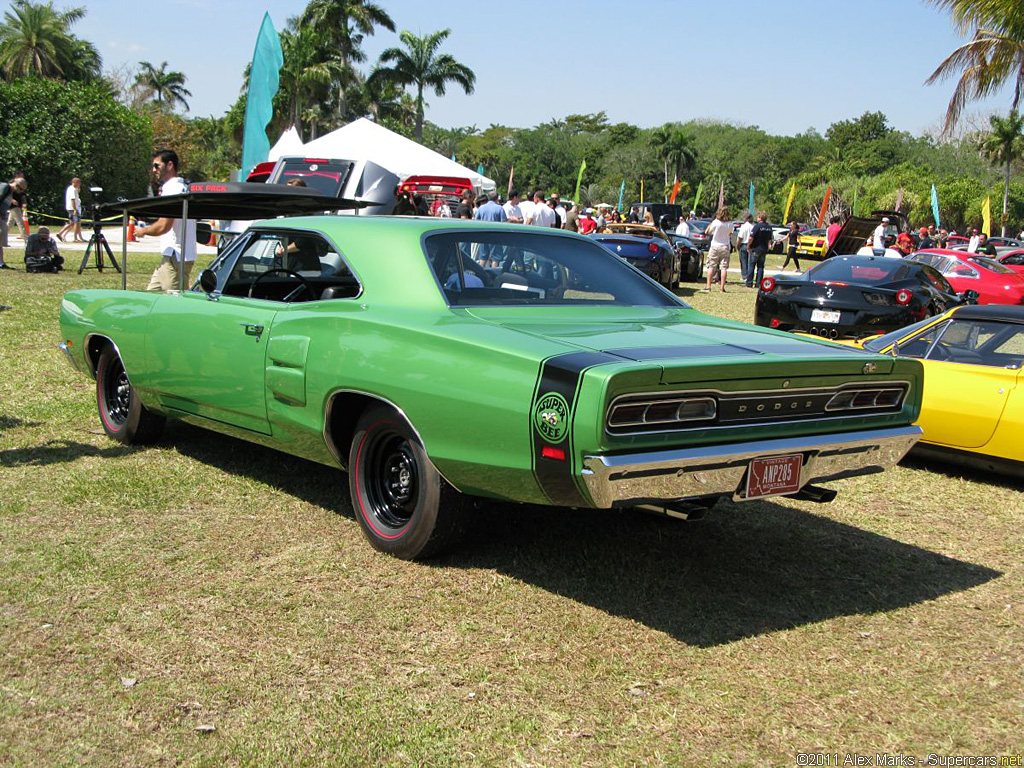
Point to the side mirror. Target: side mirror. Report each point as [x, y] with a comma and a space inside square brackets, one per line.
[208, 281]
[970, 297]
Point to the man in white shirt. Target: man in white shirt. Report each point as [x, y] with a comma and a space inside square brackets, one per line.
[541, 216]
[972, 244]
[721, 239]
[513, 212]
[878, 238]
[177, 242]
[683, 228]
[73, 205]
[742, 241]
[526, 207]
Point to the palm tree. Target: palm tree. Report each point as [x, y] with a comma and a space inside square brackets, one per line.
[36, 39]
[660, 138]
[166, 88]
[421, 65]
[991, 59]
[310, 73]
[674, 148]
[345, 23]
[1003, 145]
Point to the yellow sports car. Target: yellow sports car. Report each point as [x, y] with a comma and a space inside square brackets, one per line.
[973, 406]
[812, 244]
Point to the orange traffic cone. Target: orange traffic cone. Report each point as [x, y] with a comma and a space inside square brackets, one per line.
[131, 229]
[24, 220]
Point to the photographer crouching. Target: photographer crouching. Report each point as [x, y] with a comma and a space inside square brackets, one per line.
[41, 254]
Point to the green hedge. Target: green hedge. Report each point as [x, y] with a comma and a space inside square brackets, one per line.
[53, 131]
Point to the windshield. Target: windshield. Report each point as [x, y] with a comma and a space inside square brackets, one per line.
[515, 269]
[854, 269]
[990, 264]
[876, 345]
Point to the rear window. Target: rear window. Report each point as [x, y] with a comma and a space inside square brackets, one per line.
[325, 176]
[990, 264]
[843, 269]
[513, 269]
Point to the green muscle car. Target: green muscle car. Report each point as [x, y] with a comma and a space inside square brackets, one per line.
[435, 359]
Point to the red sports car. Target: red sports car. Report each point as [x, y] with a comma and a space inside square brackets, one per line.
[994, 283]
[1014, 260]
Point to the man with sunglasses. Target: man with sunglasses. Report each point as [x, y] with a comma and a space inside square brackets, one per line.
[177, 242]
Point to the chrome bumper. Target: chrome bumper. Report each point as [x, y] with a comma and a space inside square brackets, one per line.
[718, 470]
[63, 346]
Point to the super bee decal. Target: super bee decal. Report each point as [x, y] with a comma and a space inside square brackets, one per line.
[551, 417]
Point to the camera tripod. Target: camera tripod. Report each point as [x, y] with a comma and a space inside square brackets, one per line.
[97, 244]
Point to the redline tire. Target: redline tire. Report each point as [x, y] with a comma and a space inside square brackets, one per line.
[122, 414]
[402, 503]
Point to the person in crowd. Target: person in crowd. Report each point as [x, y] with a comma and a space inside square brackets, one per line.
[835, 224]
[904, 243]
[572, 218]
[542, 215]
[792, 239]
[985, 247]
[932, 231]
[41, 254]
[720, 230]
[404, 205]
[296, 182]
[924, 239]
[634, 215]
[559, 209]
[177, 237]
[742, 245]
[73, 205]
[942, 238]
[683, 228]
[648, 218]
[759, 243]
[554, 210]
[878, 237]
[7, 190]
[19, 201]
[491, 210]
[586, 222]
[465, 207]
[513, 213]
[526, 206]
[972, 244]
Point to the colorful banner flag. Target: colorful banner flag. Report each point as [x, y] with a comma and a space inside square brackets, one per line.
[789, 203]
[641, 189]
[511, 171]
[264, 79]
[696, 198]
[750, 206]
[899, 199]
[453, 158]
[935, 207]
[675, 191]
[622, 192]
[721, 193]
[824, 206]
[986, 216]
[579, 180]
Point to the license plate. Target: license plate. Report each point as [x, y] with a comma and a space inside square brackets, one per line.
[824, 316]
[769, 477]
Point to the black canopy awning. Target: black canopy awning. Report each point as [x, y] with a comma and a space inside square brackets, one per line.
[234, 200]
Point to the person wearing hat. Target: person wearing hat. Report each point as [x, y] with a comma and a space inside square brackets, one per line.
[878, 238]
[41, 254]
[7, 190]
[924, 239]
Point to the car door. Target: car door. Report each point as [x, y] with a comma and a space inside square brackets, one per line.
[966, 387]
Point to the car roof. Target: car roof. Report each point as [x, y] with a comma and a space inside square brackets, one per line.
[1008, 313]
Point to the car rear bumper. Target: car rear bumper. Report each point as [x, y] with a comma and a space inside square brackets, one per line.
[635, 478]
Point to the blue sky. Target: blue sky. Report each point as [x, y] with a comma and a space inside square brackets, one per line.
[802, 64]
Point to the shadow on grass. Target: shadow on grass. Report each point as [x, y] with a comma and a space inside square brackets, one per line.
[10, 422]
[57, 452]
[744, 571]
[951, 468]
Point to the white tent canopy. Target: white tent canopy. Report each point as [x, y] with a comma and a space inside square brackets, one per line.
[363, 139]
[290, 143]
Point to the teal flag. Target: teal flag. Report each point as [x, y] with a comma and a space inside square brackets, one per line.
[622, 191]
[264, 79]
[480, 168]
[751, 207]
[935, 207]
[453, 158]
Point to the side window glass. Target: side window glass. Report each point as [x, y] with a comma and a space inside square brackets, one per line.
[966, 341]
[282, 257]
[920, 344]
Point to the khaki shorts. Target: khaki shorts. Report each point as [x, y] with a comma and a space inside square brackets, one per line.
[718, 257]
[165, 276]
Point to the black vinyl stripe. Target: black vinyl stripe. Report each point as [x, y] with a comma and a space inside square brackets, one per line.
[561, 375]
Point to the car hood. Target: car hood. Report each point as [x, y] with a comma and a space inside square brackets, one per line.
[678, 340]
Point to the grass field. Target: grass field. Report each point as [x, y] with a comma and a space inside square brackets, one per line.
[208, 602]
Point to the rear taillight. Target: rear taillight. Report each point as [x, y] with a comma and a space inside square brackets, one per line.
[775, 323]
[768, 284]
[652, 247]
[904, 297]
[637, 413]
[819, 243]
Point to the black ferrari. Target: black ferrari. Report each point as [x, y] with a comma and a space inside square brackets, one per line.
[854, 296]
[653, 256]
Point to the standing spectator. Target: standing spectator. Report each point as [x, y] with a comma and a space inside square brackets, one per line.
[542, 215]
[554, 210]
[761, 237]
[491, 210]
[835, 224]
[572, 218]
[7, 190]
[932, 232]
[513, 213]
[878, 237]
[600, 221]
[73, 205]
[972, 244]
[984, 246]
[721, 243]
[904, 243]
[559, 209]
[177, 237]
[526, 206]
[683, 228]
[742, 245]
[634, 215]
[465, 207]
[942, 239]
[792, 238]
[586, 223]
[924, 239]
[19, 199]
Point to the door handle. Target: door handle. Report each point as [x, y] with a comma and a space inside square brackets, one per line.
[253, 329]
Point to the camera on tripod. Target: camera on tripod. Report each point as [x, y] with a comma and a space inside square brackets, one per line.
[97, 243]
[97, 200]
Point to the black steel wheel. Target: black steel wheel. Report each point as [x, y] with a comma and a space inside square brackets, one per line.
[122, 414]
[402, 503]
